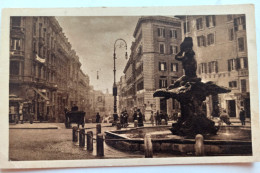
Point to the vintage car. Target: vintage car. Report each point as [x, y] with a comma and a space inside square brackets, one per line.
[77, 117]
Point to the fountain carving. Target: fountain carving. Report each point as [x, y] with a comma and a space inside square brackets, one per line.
[191, 92]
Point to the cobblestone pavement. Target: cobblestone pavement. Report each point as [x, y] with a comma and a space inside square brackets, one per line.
[54, 144]
[52, 141]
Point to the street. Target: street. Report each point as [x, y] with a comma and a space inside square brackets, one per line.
[48, 143]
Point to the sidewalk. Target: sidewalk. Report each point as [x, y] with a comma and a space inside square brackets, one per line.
[33, 126]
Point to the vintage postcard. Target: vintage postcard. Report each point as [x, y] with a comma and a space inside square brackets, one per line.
[92, 87]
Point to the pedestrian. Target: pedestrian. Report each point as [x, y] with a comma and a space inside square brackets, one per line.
[97, 118]
[161, 115]
[125, 118]
[242, 116]
[140, 118]
[135, 115]
[166, 117]
[152, 118]
[122, 118]
[157, 118]
[74, 108]
[225, 118]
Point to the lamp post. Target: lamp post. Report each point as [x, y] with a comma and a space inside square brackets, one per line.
[122, 44]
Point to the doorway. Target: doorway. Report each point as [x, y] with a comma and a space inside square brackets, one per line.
[232, 108]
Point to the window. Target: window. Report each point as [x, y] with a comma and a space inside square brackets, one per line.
[229, 17]
[241, 44]
[161, 47]
[210, 38]
[14, 68]
[240, 23]
[210, 21]
[174, 67]
[163, 83]
[40, 29]
[34, 46]
[213, 67]
[199, 24]
[186, 27]
[201, 41]
[231, 34]
[243, 85]
[242, 63]
[140, 86]
[232, 84]
[173, 33]
[173, 49]
[203, 67]
[232, 64]
[15, 44]
[162, 66]
[34, 28]
[16, 21]
[161, 32]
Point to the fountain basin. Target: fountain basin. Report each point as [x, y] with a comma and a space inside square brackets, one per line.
[230, 140]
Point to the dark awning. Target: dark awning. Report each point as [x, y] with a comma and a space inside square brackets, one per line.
[38, 92]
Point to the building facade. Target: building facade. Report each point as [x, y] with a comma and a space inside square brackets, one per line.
[220, 45]
[44, 69]
[152, 64]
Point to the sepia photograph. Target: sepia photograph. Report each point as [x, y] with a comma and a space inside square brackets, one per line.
[113, 87]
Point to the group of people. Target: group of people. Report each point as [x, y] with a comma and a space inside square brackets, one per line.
[158, 117]
[124, 118]
[224, 117]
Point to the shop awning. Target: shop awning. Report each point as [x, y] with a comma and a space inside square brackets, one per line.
[39, 92]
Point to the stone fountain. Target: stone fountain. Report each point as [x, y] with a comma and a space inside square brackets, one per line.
[191, 92]
[179, 139]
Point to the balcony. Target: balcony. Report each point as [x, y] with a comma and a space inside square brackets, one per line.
[242, 72]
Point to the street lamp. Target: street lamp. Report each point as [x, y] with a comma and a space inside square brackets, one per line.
[122, 44]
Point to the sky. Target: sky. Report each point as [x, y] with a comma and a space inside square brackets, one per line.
[93, 40]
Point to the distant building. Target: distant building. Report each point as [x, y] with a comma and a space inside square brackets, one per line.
[220, 45]
[152, 64]
[44, 70]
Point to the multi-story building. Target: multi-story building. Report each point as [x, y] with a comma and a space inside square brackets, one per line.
[152, 63]
[220, 45]
[44, 70]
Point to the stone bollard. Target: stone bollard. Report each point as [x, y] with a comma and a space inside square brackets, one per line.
[82, 138]
[77, 142]
[100, 145]
[85, 141]
[148, 146]
[90, 141]
[135, 123]
[74, 134]
[199, 145]
[98, 128]
[163, 122]
[118, 125]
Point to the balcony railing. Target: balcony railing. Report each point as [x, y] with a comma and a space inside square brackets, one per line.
[243, 72]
